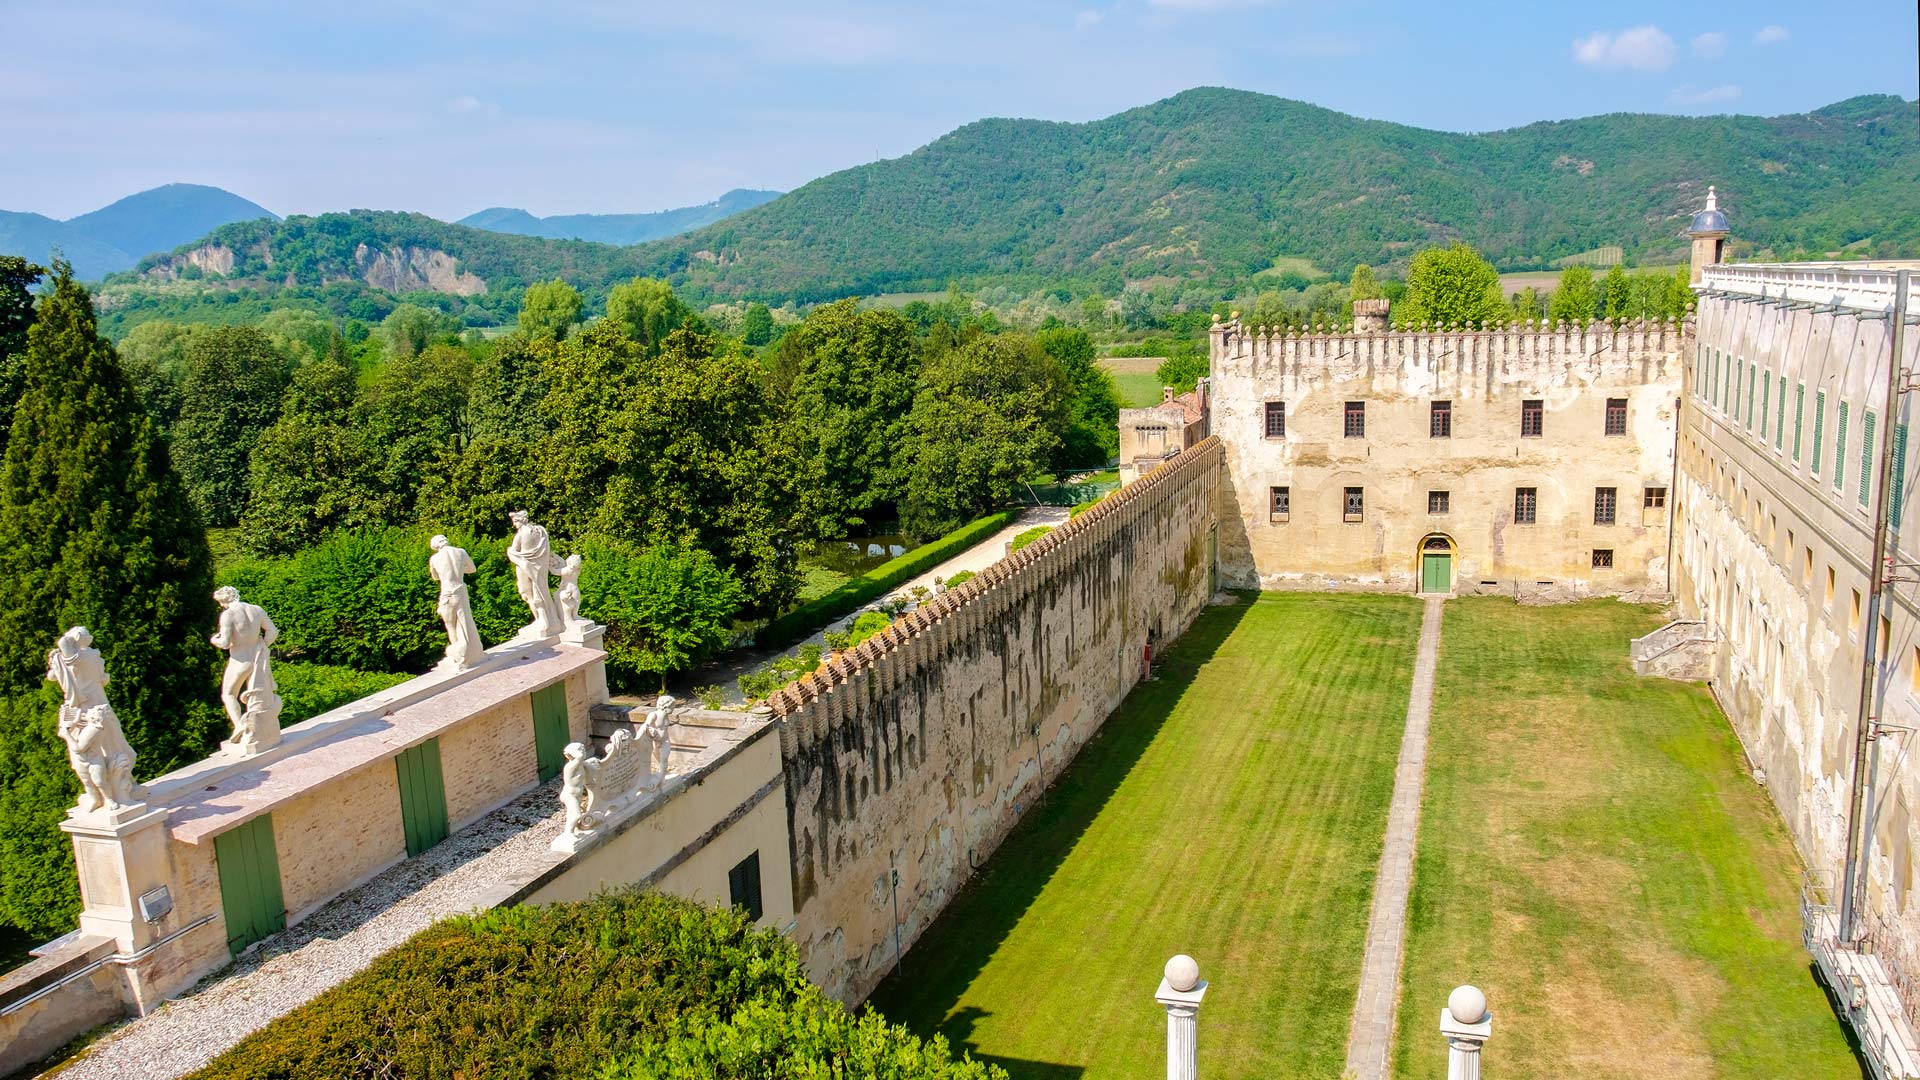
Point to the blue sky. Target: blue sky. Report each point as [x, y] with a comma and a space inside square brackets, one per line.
[606, 107]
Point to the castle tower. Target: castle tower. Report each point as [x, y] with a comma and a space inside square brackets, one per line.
[1709, 232]
[1370, 316]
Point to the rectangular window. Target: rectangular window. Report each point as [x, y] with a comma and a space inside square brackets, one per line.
[743, 886]
[1439, 502]
[1819, 429]
[1733, 398]
[1799, 406]
[1603, 558]
[1525, 502]
[1276, 419]
[1654, 498]
[1766, 393]
[1853, 617]
[1533, 416]
[1866, 455]
[1282, 503]
[1840, 449]
[1355, 505]
[1605, 502]
[1440, 420]
[1753, 381]
[1899, 474]
[1829, 600]
[1806, 571]
[1616, 416]
[1356, 419]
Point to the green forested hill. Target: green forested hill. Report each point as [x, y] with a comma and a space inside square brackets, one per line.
[1210, 185]
[1220, 183]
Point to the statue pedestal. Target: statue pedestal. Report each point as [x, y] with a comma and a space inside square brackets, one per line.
[261, 742]
[122, 856]
[591, 635]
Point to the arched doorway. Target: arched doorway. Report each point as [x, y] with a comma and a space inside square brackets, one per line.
[1436, 564]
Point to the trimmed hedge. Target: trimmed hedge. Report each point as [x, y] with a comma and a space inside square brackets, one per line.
[601, 987]
[875, 583]
[1028, 536]
[311, 689]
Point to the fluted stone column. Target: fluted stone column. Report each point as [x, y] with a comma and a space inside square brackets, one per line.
[1180, 991]
[1466, 1023]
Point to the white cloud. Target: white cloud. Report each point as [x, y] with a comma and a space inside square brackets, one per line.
[1712, 95]
[1710, 44]
[467, 103]
[1641, 48]
[1087, 18]
[1770, 35]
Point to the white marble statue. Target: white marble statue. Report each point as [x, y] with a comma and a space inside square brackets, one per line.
[569, 594]
[575, 791]
[96, 747]
[532, 557]
[594, 789]
[450, 566]
[656, 729]
[245, 634]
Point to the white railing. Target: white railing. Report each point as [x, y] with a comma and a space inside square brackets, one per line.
[1865, 287]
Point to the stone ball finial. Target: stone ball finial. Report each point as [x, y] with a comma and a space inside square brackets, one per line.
[1236, 316]
[1467, 1003]
[1183, 973]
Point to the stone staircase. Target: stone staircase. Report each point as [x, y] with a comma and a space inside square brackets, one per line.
[1683, 649]
[692, 731]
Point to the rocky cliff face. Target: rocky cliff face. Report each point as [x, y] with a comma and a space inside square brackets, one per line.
[412, 269]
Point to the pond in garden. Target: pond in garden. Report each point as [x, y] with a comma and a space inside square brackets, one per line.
[858, 554]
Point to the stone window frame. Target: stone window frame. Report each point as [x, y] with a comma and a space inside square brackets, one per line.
[1606, 505]
[1533, 418]
[1653, 498]
[1439, 502]
[1526, 505]
[1279, 502]
[1615, 422]
[1603, 558]
[1440, 419]
[1354, 420]
[1353, 505]
[1276, 420]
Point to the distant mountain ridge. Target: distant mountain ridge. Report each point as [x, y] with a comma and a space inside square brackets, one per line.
[617, 229]
[114, 237]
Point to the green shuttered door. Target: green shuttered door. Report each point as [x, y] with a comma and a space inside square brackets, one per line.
[423, 796]
[249, 882]
[1436, 573]
[550, 729]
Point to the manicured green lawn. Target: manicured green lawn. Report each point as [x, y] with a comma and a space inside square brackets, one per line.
[1594, 855]
[1234, 810]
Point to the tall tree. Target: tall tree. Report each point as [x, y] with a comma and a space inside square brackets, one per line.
[1362, 286]
[410, 328]
[1092, 434]
[1573, 300]
[1618, 292]
[648, 310]
[851, 386]
[1453, 286]
[154, 356]
[988, 415]
[549, 309]
[235, 376]
[17, 278]
[307, 475]
[756, 326]
[96, 529]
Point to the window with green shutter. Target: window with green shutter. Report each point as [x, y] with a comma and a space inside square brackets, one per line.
[1780, 428]
[1753, 385]
[550, 729]
[423, 796]
[250, 896]
[1733, 399]
[1766, 393]
[1866, 455]
[1899, 475]
[1819, 429]
[1840, 450]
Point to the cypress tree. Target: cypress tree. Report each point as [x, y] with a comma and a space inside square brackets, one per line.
[95, 529]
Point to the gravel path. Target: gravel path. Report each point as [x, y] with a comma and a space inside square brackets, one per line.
[463, 872]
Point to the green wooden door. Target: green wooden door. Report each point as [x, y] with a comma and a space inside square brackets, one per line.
[423, 796]
[1436, 573]
[550, 729]
[249, 882]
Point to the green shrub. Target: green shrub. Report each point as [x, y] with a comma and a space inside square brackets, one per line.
[311, 689]
[711, 696]
[810, 616]
[1030, 535]
[666, 609]
[549, 991]
[959, 579]
[811, 1038]
[756, 685]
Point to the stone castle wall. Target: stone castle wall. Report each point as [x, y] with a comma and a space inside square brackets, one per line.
[920, 750]
[1483, 378]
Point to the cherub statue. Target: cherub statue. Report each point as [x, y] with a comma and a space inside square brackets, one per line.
[569, 595]
[574, 795]
[656, 728]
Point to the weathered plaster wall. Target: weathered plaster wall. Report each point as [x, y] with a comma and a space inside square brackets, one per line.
[920, 750]
[1771, 555]
[1485, 375]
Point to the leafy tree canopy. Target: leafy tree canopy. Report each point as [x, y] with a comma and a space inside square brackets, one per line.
[550, 309]
[1452, 286]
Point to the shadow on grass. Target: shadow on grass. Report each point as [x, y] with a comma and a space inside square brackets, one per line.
[930, 979]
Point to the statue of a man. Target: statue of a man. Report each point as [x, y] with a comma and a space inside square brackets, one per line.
[657, 729]
[245, 634]
[569, 595]
[532, 558]
[450, 566]
[96, 747]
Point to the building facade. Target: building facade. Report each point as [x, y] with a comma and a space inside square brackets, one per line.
[1528, 460]
[1151, 435]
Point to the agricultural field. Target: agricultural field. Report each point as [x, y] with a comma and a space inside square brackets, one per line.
[1134, 377]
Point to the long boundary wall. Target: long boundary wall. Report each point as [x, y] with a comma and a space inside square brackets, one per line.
[916, 754]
